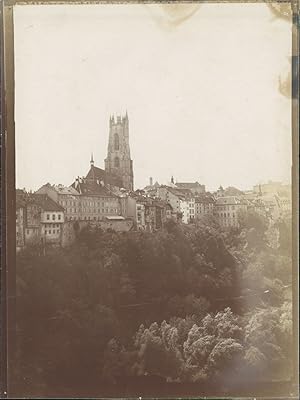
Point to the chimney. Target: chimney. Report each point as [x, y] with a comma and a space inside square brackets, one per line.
[151, 181]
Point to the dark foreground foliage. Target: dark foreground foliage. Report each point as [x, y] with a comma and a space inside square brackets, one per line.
[190, 307]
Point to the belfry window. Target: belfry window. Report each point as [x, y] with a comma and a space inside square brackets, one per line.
[116, 140]
[117, 162]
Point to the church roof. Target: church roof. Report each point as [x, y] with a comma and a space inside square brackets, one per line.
[99, 174]
[95, 173]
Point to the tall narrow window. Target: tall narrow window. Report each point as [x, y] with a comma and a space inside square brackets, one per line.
[117, 143]
[117, 162]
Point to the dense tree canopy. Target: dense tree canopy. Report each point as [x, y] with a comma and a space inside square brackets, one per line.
[187, 303]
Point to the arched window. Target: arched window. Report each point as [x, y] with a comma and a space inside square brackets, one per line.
[117, 162]
[117, 143]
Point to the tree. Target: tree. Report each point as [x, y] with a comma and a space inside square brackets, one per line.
[255, 225]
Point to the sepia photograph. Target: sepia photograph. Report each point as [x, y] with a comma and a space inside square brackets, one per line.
[153, 242]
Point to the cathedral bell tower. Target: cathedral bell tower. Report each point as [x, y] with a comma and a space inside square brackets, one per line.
[118, 161]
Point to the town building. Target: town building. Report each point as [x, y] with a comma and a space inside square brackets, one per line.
[118, 161]
[95, 201]
[187, 208]
[66, 196]
[39, 220]
[151, 189]
[172, 196]
[227, 210]
[84, 200]
[194, 187]
[128, 206]
[140, 217]
[204, 205]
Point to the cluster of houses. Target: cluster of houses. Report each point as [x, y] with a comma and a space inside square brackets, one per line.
[54, 214]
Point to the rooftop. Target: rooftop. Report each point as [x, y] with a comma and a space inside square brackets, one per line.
[228, 200]
[93, 188]
[96, 173]
[205, 199]
[42, 200]
[189, 185]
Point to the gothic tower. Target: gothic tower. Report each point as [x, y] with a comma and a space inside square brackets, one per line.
[118, 160]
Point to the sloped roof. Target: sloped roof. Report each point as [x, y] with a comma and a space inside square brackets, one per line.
[95, 173]
[61, 189]
[181, 193]
[99, 174]
[228, 200]
[152, 187]
[205, 199]
[93, 188]
[189, 185]
[44, 202]
[233, 191]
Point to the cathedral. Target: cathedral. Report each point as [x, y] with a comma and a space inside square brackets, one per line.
[118, 164]
[118, 161]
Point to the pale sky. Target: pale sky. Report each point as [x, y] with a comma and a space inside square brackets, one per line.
[202, 95]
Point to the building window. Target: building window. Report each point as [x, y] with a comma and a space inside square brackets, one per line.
[117, 162]
[46, 232]
[53, 217]
[50, 231]
[116, 142]
[48, 216]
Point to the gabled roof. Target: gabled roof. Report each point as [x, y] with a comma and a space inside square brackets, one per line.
[44, 202]
[152, 187]
[95, 173]
[99, 174]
